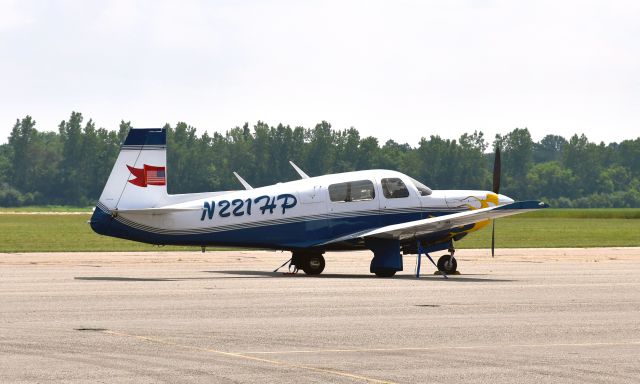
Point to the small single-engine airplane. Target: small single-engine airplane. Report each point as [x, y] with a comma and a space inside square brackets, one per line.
[384, 211]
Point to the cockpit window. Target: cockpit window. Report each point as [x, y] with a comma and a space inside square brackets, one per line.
[360, 190]
[423, 189]
[394, 188]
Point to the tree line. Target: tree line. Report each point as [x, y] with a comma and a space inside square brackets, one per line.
[71, 166]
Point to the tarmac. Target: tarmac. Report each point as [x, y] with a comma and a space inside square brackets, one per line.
[526, 316]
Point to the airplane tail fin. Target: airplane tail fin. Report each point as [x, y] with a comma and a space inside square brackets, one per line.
[139, 177]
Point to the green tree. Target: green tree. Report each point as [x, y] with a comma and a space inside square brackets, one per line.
[395, 156]
[23, 141]
[435, 162]
[46, 157]
[71, 184]
[614, 178]
[368, 154]
[5, 163]
[261, 147]
[239, 157]
[551, 180]
[517, 159]
[186, 160]
[629, 156]
[548, 149]
[472, 170]
[581, 157]
[320, 154]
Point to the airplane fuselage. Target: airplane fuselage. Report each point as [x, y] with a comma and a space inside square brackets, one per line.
[298, 214]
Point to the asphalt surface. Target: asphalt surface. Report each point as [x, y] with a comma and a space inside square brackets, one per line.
[527, 316]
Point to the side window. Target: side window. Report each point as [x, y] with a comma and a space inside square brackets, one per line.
[394, 188]
[338, 192]
[360, 190]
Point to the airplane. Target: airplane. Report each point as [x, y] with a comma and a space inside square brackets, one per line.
[384, 211]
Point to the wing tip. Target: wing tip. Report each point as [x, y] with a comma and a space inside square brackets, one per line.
[529, 204]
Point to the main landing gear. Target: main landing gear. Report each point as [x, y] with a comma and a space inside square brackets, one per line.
[387, 259]
[312, 263]
[385, 272]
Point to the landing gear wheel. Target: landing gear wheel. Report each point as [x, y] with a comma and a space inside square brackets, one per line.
[385, 273]
[313, 264]
[447, 264]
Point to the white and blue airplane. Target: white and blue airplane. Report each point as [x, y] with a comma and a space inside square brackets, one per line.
[384, 211]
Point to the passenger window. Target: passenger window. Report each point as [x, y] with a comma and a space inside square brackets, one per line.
[338, 192]
[394, 188]
[360, 190]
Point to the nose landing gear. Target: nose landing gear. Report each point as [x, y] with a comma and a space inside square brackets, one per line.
[447, 264]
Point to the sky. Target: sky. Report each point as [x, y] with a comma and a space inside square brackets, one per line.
[397, 70]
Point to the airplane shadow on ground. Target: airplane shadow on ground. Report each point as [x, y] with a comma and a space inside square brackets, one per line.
[458, 278]
[143, 279]
[116, 278]
[264, 274]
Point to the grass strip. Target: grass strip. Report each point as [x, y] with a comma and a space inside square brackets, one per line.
[71, 233]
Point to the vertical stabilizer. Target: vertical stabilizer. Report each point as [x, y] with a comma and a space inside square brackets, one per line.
[139, 177]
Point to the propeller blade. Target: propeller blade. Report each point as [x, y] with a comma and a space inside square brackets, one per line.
[493, 238]
[497, 170]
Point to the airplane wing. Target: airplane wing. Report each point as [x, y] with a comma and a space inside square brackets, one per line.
[417, 228]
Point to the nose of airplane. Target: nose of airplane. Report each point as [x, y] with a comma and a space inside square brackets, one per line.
[502, 199]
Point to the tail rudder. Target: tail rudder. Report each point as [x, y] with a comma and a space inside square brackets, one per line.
[139, 177]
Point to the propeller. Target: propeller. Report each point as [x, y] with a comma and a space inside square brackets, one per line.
[497, 166]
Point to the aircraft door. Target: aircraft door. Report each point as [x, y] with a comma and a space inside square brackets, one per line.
[314, 205]
[353, 206]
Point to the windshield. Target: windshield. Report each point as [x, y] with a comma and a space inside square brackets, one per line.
[394, 188]
[423, 189]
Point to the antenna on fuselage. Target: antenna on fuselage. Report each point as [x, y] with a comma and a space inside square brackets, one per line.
[242, 181]
[300, 171]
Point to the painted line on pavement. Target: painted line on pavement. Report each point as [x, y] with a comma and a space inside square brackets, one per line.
[439, 348]
[252, 358]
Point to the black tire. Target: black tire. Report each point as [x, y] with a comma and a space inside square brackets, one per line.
[445, 266]
[313, 264]
[385, 273]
